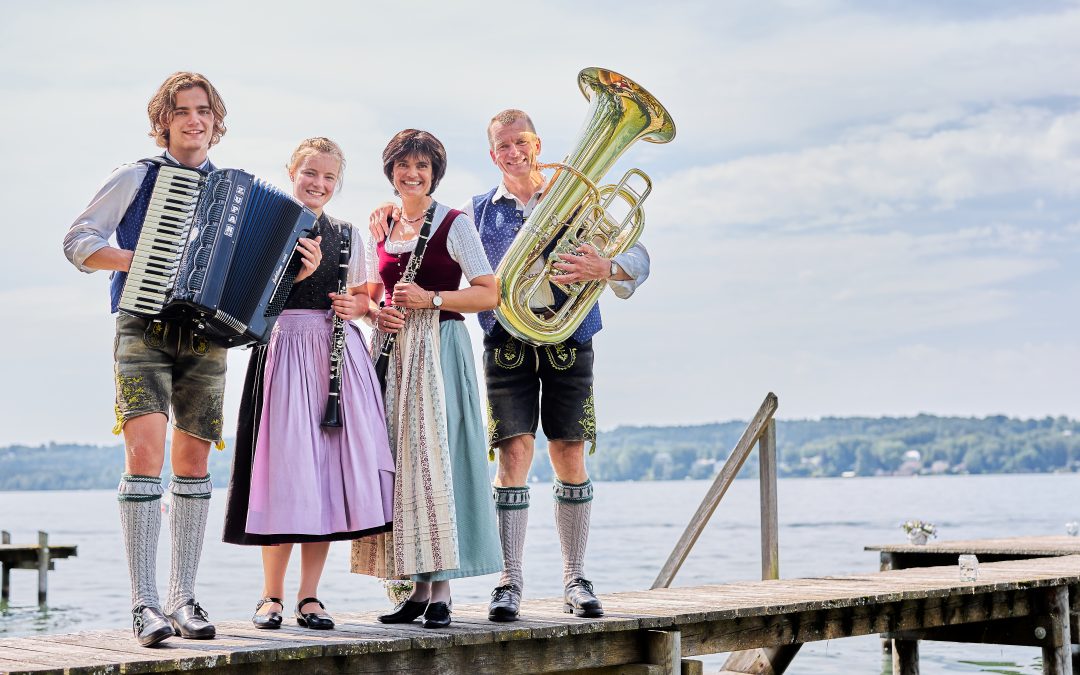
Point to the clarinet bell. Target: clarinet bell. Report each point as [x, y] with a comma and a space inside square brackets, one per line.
[332, 416]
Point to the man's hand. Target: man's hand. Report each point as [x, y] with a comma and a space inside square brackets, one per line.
[377, 224]
[310, 257]
[586, 265]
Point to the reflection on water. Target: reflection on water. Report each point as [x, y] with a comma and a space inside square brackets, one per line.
[824, 524]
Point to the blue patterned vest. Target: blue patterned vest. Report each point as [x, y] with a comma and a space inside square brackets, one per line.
[127, 232]
[498, 224]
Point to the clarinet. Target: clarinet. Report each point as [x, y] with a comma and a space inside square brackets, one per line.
[382, 363]
[332, 417]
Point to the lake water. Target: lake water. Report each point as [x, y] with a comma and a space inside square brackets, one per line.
[824, 524]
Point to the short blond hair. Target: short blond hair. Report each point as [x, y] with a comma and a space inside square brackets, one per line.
[507, 117]
[163, 104]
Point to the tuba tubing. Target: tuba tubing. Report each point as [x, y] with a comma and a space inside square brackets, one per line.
[576, 211]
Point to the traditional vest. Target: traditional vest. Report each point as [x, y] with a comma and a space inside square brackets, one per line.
[498, 224]
[127, 232]
[438, 271]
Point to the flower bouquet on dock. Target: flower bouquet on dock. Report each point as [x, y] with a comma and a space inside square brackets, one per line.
[398, 589]
[918, 531]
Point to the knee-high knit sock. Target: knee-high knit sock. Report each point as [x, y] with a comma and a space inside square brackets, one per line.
[512, 509]
[187, 522]
[140, 520]
[573, 506]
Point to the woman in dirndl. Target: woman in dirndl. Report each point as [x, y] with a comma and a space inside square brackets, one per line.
[444, 518]
[295, 481]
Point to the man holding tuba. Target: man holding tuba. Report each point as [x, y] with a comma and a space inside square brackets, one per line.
[551, 383]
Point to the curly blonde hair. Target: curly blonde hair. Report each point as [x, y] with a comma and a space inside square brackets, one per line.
[313, 146]
[163, 104]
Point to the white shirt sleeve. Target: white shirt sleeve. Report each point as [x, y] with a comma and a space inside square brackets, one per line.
[91, 230]
[371, 260]
[634, 262]
[467, 209]
[464, 245]
[357, 262]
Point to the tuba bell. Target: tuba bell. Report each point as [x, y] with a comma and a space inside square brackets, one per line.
[577, 211]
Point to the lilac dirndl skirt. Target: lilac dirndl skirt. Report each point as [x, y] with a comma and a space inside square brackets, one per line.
[307, 480]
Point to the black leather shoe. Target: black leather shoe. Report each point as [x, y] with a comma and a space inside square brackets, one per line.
[437, 614]
[505, 603]
[316, 620]
[406, 611]
[191, 622]
[270, 619]
[150, 625]
[580, 599]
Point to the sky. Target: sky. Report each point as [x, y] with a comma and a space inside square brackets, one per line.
[869, 208]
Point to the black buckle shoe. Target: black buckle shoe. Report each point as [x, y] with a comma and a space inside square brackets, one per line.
[580, 599]
[315, 620]
[191, 622]
[505, 603]
[437, 614]
[150, 625]
[405, 612]
[270, 619]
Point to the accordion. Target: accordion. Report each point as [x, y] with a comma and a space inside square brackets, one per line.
[218, 251]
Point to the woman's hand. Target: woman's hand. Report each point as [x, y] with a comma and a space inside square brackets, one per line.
[347, 306]
[310, 257]
[412, 296]
[389, 320]
[377, 224]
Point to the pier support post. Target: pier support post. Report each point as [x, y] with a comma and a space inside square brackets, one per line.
[770, 540]
[5, 570]
[43, 566]
[664, 649]
[1057, 652]
[905, 657]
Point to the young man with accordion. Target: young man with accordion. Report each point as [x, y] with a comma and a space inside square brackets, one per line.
[160, 365]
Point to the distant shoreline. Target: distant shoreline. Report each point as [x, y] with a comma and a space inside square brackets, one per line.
[830, 447]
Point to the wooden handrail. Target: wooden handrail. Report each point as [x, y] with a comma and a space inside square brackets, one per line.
[761, 427]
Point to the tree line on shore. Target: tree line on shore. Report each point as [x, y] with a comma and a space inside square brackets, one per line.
[832, 446]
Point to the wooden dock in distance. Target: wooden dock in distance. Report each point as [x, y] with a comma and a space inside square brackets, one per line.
[901, 556]
[38, 557]
[643, 632]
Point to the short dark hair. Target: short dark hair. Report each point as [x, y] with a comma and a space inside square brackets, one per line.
[412, 142]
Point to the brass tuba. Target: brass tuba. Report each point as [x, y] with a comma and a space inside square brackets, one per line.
[620, 113]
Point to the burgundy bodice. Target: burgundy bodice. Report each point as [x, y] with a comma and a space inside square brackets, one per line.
[438, 271]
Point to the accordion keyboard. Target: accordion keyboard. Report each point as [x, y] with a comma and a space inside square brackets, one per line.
[165, 230]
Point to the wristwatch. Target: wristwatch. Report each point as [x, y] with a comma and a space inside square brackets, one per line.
[614, 269]
[436, 301]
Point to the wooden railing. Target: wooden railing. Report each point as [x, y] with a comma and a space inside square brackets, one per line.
[761, 430]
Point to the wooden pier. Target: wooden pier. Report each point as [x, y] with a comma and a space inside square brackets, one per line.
[901, 556]
[650, 631]
[38, 557]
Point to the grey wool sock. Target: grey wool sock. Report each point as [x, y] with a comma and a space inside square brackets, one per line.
[573, 507]
[512, 509]
[140, 520]
[187, 522]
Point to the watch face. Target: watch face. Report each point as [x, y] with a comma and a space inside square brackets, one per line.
[437, 300]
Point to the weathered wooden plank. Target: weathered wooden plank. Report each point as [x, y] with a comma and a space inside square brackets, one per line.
[1019, 546]
[770, 528]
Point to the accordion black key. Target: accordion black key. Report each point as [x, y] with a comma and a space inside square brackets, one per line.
[217, 250]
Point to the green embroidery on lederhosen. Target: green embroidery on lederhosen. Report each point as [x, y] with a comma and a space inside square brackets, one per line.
[155, 334]
[133, 395]
[492, 425]
[510, 355]
[588, 420]
[560, 357]
[199, 344]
